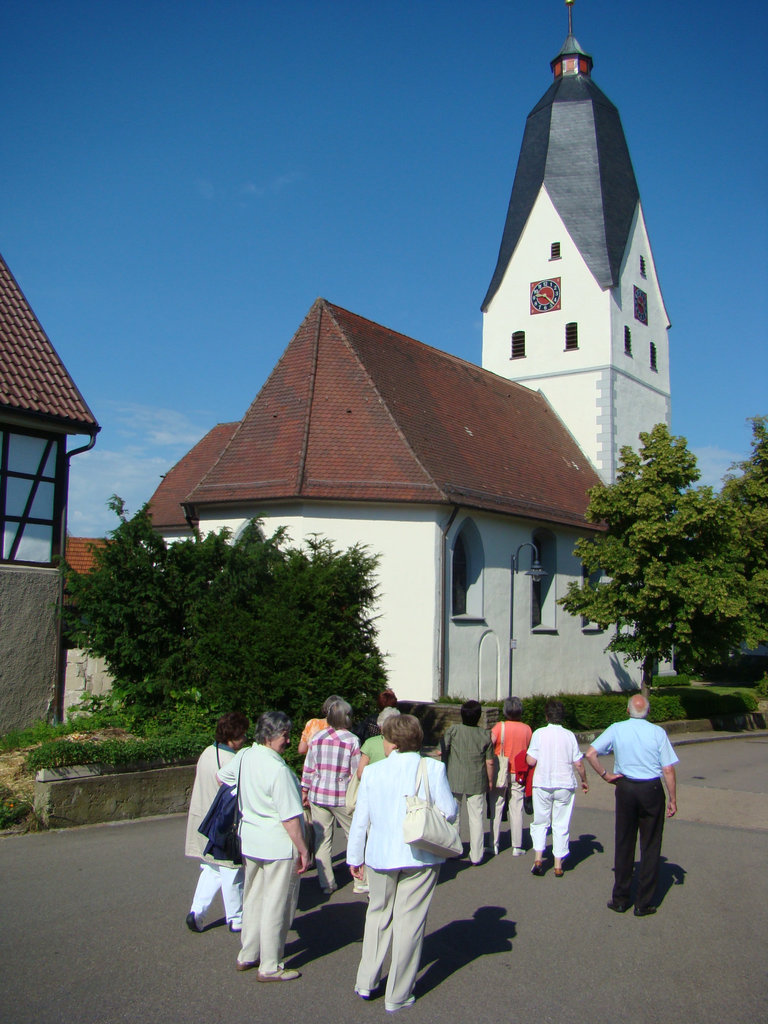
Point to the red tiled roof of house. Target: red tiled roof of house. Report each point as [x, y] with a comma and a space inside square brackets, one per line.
[80, 552]
[165, 504]
[355, 411]
[33, 380]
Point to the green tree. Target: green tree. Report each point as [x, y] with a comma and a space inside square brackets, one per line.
[204, 625]
[745, 499]
[670, 576]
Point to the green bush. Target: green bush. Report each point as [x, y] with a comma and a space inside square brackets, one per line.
[12, 809]
[681, 679]
[64, 753]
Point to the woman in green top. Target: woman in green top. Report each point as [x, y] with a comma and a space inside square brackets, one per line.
[373, 748]
[467, 752]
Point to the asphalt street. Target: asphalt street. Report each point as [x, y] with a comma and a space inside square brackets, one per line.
[93, 926]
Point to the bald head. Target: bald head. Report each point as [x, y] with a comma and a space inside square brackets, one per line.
[638, 706]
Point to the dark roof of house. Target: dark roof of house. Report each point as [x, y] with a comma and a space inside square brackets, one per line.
[165, 504]
[34, 382]
[574, 145]
[354, 411]
[80, 550]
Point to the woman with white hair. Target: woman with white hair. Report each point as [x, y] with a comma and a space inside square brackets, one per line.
[273, 846]
[331, 761]
[402, 878]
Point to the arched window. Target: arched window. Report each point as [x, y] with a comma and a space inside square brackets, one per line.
[544, 590]
[467, 572]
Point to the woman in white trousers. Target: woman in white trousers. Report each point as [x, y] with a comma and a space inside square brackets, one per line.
[555, 755]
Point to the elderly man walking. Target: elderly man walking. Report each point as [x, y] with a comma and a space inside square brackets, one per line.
[642, 756]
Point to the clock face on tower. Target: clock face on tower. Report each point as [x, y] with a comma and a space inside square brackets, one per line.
[545, 295]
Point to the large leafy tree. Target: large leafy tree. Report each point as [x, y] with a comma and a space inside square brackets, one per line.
[669, 576]
[745, 500]
[206, 625]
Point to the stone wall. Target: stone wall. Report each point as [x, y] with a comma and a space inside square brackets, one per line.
[28, 644]
[86, 796]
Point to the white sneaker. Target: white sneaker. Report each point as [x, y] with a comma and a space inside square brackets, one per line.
[518, 851]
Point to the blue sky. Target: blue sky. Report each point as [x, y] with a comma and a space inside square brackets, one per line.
[182, 179]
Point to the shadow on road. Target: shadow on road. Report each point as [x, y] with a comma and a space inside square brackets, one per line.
[457, 944]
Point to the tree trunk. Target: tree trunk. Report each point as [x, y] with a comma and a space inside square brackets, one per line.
[647, 678]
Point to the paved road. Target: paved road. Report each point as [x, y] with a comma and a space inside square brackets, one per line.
[93, 927]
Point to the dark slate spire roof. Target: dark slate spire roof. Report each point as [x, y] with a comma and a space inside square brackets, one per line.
[574, 145]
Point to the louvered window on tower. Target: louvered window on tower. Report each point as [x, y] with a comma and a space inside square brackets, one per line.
[642, 266]
[571, 337]
[627, 342]
[518, 345]
[554, 252]
[653, 357]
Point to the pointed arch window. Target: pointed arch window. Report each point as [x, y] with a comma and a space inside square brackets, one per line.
[544, 590]
[467, 565]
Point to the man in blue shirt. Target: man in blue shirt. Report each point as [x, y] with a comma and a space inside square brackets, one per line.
[642, 756]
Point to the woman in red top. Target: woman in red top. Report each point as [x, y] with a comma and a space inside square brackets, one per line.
[516, 737]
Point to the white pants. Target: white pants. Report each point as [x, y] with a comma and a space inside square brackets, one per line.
[212, 878]
[476, 821]
[397, 915]
[552, 807]
[270, 895]
[516, 793]
[324, 821]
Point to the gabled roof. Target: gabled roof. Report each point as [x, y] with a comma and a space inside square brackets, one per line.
[79, 553]
[34, 382]
[354, 411]
[574, 145]
[165, 504]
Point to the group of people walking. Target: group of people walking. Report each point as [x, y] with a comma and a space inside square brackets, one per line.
[501, 767]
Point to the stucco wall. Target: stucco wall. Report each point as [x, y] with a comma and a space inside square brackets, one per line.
[28, 600]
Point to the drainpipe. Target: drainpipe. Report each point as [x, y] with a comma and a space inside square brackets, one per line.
[61, 661]
[444, 603]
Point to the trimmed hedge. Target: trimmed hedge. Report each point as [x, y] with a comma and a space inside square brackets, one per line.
[64, 753]
[588, 713]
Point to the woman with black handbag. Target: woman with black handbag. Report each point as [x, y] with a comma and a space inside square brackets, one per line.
[215, 874]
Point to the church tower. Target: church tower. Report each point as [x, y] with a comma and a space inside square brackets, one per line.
[574, 308]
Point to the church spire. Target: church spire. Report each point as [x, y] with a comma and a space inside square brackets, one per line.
[572, 59]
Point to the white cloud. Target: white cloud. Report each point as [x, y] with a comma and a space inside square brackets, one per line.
[277, 184]
[136, 446]
[714, 463]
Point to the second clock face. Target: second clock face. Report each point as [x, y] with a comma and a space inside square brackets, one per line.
[545, 295]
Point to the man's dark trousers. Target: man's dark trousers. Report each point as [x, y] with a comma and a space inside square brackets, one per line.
[640, 808]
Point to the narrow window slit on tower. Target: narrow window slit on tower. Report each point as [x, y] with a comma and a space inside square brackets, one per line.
[554, 251]
[571, 336]
[518, 345]
[627, 342]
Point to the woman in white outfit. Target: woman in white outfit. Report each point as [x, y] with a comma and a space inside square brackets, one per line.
[274, 849]
[401, 878]
[555, 754]
[231, 730]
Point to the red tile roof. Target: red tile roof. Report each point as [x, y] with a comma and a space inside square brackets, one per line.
[33, 380]
[80, 552]
[355, 411]
[165, 503]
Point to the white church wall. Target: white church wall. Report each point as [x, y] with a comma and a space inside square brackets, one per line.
[408, 539]
[500, 652]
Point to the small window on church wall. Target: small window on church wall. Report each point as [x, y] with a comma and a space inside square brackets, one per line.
[544, 591]
[653, 357]
[467, 573]
[642, 266]
[554, 251]
[518, 345]
[627, 342]
[571, 337]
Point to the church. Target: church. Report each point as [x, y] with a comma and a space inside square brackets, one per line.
[470, 483]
